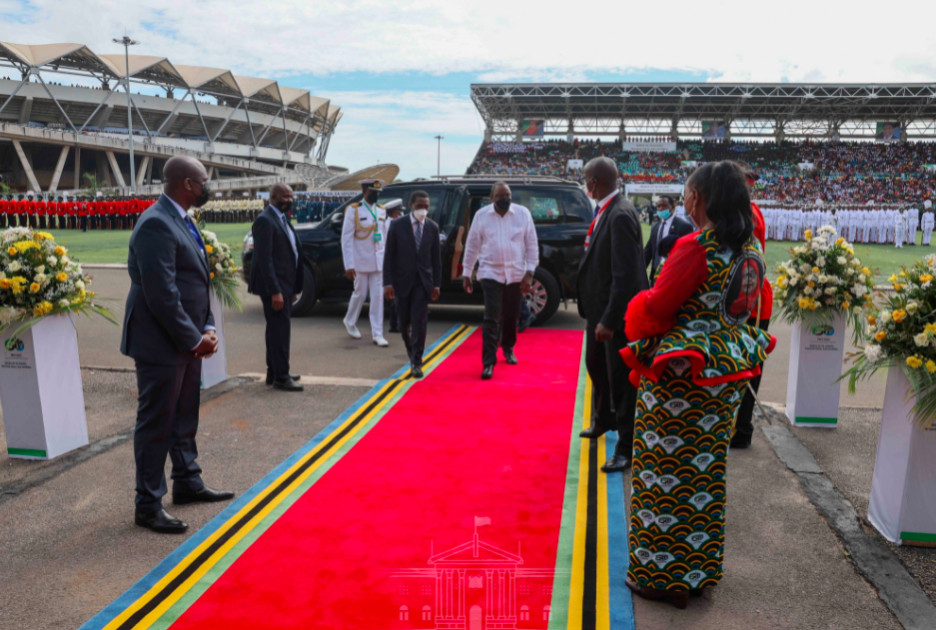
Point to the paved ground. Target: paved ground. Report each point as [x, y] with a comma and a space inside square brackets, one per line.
[70, 541]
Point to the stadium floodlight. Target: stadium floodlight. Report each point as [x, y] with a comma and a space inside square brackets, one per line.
[127, 43]
[439, 156]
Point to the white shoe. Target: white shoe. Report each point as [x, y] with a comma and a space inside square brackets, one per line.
[352, 330]
[380, 341]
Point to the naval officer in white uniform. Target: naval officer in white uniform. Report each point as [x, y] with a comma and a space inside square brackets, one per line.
[362, 248]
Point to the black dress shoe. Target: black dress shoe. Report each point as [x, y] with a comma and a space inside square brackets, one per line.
[593, 432]
[487, 373]
[415, 372]
[617, 463]
[269, 381]
[205, 495]
[741, 441]
[287, 385]
[160, 522]
[510, 357]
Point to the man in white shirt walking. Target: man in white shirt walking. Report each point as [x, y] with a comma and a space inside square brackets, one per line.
[502, 240]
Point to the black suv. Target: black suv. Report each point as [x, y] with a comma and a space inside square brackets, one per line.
[561, 211]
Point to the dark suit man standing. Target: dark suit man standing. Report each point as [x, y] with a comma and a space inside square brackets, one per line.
[168, 329]
[610, 274]
[664, 234]
[412, 274]
[276, 276]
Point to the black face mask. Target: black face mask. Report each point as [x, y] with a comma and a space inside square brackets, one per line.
[285, 207]
[372, 196]
[502, 204]
[202, 199]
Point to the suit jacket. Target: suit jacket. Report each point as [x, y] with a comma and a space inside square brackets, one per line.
[403, 266]
[274, 268]
[612, 271]
[168, 305]
[657, 249]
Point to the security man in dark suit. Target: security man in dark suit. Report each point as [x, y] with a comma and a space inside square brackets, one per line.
[412, 274]
[610, 274]
[664, 234]
[168, 329]
[276, 276]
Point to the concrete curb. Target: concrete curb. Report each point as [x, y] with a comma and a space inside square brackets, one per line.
[65, 463]
[103, 265]
[899, 590]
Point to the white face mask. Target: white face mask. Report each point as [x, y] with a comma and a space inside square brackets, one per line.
[420, 214]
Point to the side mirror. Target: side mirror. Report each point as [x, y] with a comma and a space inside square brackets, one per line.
[336, 220]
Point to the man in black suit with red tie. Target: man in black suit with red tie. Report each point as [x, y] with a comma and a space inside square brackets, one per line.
[412, 274]
[611, 273]
[276, 276]
[168, 329]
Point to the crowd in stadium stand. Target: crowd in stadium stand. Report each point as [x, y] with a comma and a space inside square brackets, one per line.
[835, 172]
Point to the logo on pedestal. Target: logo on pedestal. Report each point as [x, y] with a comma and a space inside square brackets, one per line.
[14, 345]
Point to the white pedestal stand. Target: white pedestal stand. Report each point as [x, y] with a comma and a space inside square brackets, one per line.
[214, 369]
[40, 390]
[817, 348]
[903, 489]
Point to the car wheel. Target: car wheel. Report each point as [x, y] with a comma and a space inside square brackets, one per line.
[543, 298]
[308, 297]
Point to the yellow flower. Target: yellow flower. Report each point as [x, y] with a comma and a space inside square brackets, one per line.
[880, 336]
[24, 246]
[808, 235]
[212, 275]
[812, 284]
[872, 320]
[931, 366]
[930, 328]
[840, 240]
[899, 315]
[815, 269]
[926, 278]
[61, 276]
[781, 281]
[5, 284]
[42, 236]
[915, 362]
[804, 303]
[11, 250]
[35, 287]
[866, 271]
[42, 308]
[208, 248]
[846, 304]
[893, 278]
[60, 251]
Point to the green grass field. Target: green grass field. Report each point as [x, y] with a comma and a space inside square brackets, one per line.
[883, 259]
[111, 246]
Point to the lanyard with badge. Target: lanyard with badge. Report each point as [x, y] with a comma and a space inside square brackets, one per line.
[377, 235]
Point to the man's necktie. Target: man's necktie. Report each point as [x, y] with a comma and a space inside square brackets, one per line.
[194, 230]
[418, 234]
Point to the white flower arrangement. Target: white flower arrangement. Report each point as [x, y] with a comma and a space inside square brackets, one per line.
[224, 277]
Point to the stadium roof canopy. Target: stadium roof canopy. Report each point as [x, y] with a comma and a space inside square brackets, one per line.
[70, 58]
[750, 110]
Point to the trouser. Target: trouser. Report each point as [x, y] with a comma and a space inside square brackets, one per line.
[167, 421]
[413, 313]
[367, 283]
[744, 426]
[501, 314]
[899, 240]
[607, 387]
[927, 235]
[278, 330]
[84, 224]
[390, 306]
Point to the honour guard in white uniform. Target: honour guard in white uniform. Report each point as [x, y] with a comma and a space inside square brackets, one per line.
[928, 222]
[362, 247]
[900, 231]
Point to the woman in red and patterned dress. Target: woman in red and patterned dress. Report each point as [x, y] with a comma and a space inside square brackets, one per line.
[691, 356]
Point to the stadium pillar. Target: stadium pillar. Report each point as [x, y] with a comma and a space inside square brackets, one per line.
[27, 167]
[26, 110]
[127, 43]
[59, 167]
[144, 167]
[77, 167]
[115, 169]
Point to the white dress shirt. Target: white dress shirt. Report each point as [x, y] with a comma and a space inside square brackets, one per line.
[601, 204]
[185, 218]
[504, 246]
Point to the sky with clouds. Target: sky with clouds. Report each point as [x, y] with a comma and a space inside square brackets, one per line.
[401, 70]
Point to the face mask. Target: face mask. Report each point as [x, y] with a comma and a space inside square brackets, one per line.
[420, 214]
[502, 204]
[202, 199]
[663, 214]
[285, 207]
[372, 196]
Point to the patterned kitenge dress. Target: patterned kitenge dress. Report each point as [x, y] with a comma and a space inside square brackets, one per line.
[693, 354]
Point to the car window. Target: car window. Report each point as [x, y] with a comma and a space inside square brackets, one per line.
[436, 197]
[548, 205]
